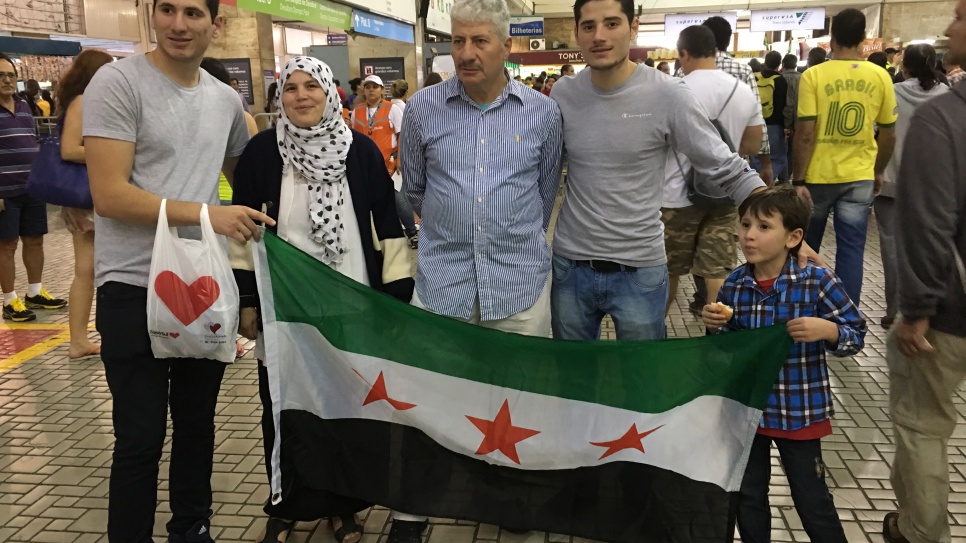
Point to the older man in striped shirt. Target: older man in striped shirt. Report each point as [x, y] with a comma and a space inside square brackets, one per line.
[481, 165]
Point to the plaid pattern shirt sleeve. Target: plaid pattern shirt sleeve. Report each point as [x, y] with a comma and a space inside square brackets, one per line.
[802, 395]
[836, 306]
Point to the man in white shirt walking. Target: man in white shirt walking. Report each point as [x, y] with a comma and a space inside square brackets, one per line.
[697, 238]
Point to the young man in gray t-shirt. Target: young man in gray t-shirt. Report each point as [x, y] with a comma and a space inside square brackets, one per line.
[155, 127]
[620, 120]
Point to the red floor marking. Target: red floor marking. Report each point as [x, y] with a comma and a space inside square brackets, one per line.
[14, 341]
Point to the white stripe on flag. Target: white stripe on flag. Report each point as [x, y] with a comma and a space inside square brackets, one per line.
[266, 295]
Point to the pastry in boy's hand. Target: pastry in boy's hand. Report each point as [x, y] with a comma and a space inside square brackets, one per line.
[726, 311]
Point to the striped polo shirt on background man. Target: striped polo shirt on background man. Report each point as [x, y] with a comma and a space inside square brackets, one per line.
[18, 148]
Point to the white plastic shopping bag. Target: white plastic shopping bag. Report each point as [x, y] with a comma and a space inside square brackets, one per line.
[192, 295]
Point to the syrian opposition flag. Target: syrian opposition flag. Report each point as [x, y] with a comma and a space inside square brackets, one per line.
[638, 441]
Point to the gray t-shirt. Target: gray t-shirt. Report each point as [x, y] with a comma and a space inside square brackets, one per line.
[617, 143]
[181, 136]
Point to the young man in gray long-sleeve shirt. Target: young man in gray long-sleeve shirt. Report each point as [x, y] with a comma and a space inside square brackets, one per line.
[620, 120]
[927, 347]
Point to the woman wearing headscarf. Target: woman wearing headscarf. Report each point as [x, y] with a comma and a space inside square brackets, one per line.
[328, 190]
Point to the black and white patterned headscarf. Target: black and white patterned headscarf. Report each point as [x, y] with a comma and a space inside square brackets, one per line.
[318, 154]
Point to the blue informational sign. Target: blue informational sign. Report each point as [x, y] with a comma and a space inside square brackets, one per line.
[383, 27]
[527, 27]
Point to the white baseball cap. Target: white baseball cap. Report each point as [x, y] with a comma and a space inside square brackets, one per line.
[373, 79]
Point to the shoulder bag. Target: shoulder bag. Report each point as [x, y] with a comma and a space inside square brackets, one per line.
[58, 181]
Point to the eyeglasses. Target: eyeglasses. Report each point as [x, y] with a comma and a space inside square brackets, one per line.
[8, 75]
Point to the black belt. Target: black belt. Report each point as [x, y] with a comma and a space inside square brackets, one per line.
[605, 266]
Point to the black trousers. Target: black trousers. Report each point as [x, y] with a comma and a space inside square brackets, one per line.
[805, 471]
[143, 388]
[300, 501]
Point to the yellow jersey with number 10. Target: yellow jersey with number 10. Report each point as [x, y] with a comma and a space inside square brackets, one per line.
[846, 99]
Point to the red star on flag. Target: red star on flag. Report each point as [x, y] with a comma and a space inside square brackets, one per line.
[379, 393]
[631, 440]
[500, 434]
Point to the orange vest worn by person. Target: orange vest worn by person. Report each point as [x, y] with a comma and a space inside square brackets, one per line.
[379, 129]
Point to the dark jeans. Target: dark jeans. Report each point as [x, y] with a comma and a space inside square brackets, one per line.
[142, 388]
[805, 471]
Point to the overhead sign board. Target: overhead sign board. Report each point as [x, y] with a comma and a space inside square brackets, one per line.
[787, 19]
[337, 39]
[869, 46]
[319, 12]
[674, 24]
[526, 27]
[572, 56]
[388, 69]
[382, 27]
[404, 10]
[437, 18]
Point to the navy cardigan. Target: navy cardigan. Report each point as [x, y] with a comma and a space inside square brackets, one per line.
[258, 185]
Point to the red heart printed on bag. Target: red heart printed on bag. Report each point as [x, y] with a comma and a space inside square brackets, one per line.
[214, 327]
[186, 302]
[174, 335]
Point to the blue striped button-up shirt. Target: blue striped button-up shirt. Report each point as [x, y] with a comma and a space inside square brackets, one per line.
[484, 182]
[18, 147]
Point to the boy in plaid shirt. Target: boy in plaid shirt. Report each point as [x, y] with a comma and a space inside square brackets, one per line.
[773, 289]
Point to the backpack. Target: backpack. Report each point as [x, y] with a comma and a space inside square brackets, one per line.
[766, 90]
[701, 191]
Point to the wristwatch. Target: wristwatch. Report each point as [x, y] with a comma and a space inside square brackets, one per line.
[798, 182]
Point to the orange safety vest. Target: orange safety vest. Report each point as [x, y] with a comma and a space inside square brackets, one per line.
[379, 129]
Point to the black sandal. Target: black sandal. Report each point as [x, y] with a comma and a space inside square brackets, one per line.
[349, 532]
[274, 529]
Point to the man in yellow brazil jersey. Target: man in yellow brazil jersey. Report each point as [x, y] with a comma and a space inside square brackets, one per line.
[838, 161]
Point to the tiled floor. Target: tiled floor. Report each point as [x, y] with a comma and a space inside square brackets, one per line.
[55, 441]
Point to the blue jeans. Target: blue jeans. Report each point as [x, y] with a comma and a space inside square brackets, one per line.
[805, 471]
[850, 203]
[581, 296]
[779, 157]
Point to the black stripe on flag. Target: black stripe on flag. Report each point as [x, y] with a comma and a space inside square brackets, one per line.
[400, 467]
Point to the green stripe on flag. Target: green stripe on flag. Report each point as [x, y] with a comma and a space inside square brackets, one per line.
[642, 376]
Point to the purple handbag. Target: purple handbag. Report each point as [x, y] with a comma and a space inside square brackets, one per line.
[58, 181]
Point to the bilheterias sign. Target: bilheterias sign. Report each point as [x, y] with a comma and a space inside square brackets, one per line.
[615, 441]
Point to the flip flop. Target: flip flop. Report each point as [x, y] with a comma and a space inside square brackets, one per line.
[276, 530]
[349, 532]
[93, 353]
